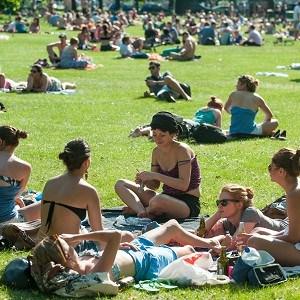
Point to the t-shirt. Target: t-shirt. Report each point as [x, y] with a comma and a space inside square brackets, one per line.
[254, 36]
[254, 215]
[157, 87]
[126, 50]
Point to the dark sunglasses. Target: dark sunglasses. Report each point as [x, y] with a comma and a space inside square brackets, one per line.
[151, 68]
[272, 167]
[33, 71]
[224, 202]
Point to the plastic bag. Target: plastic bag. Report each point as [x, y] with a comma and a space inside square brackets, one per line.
[192, 269]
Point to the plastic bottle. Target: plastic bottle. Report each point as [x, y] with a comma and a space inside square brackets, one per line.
[250, 256]
[240, 229]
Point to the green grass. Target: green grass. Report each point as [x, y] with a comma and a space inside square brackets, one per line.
[108, 104]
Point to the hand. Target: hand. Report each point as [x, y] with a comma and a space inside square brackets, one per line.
[128, 246]
[19, 202]
[146, 176]
[242, 239]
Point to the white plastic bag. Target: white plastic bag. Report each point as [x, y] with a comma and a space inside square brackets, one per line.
[192, 269]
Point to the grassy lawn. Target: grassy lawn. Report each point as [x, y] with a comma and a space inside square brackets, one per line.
[108, 105]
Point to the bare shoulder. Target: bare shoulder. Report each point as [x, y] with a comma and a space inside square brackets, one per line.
[88, 189]
[21, 164]
[294, 196]
[184, 151]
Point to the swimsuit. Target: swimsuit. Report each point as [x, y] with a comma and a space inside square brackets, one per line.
[80, 212]
[8, 209]
[191, 201]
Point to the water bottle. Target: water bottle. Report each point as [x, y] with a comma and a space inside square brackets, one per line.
[250, 256]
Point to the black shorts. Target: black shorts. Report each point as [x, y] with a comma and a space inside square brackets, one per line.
[191, 201]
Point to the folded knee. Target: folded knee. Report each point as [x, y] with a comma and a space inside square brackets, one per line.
[119, 184]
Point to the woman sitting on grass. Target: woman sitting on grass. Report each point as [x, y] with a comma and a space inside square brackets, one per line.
[243, 105]
[40, 82]
[143, 258]
[14, 175]
[69, 196]
[175, 165]
[284, 246]
[235, 205]
[70, 59]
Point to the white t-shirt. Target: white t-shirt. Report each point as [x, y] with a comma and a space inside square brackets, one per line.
[254, 36]
[126, 50]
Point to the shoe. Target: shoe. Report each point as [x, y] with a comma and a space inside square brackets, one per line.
[170, 98]
[276, 134]
[282, 135]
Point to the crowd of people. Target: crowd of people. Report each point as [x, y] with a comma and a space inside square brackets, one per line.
[174, 164]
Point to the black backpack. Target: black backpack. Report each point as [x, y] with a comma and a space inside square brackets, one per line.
[207, 133]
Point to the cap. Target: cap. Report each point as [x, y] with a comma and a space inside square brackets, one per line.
[164, 121]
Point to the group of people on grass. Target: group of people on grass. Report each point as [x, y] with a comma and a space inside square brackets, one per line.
[174, 165]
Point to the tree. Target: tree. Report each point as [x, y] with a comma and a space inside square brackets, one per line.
[10, 6]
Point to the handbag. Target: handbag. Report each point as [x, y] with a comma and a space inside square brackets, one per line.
[23, 235]
[266, 275]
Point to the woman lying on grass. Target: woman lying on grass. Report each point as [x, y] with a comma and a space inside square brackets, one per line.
[235, 205]
[143, 258]
[175, 165]
[70, 197]
[40, 82]
[284, 246]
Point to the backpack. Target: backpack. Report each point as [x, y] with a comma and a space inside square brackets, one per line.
[277, 209]
[207, 133]
[185, 127]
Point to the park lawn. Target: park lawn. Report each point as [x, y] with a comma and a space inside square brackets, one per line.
[108, 104]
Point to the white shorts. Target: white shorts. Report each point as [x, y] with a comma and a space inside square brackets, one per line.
[257, 130]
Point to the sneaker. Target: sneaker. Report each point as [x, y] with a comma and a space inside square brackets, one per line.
[276, 134]
[282, 135]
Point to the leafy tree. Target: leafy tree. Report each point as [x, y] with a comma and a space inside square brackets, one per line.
[10, 6]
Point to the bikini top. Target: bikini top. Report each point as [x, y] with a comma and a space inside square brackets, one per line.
[10, 181]
[80, 212]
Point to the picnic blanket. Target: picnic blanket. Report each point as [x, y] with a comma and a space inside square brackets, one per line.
[113, 219]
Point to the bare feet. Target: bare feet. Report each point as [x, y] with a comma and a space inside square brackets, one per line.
[128, 211]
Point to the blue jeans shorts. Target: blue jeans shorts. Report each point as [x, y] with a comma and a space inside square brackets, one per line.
[150, 259]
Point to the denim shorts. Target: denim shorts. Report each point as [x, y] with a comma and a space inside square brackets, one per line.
[150, 259]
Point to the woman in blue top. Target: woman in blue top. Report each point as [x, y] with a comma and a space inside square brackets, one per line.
[211, 114]
[14, 175]
[243, 105]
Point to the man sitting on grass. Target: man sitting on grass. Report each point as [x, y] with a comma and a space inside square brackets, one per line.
[165, 86]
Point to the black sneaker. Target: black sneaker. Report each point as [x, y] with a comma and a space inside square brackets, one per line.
[276, 134]
[2, 107]
[282, 135]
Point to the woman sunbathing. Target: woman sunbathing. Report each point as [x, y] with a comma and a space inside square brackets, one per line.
[40, 82]
[14, 175]
[235, 205]
[143, 258]
[70, 197]
[175, 165]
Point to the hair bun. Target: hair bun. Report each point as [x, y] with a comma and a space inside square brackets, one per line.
[250, 193]
[213, 98]
[20, 134]
[62, 155]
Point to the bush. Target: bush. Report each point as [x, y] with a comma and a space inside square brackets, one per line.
[10, 6]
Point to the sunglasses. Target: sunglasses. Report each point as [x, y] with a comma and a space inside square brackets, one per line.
[272, 167]
[151, 68]
[33, 71]
[224, 202]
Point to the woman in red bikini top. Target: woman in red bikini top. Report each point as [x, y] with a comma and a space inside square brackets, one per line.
[175, 166]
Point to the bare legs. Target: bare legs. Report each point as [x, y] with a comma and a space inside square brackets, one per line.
[175, 86]
[269, 126]
[31, 212]
[284, 253]
[148, 202]
[172, 231]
